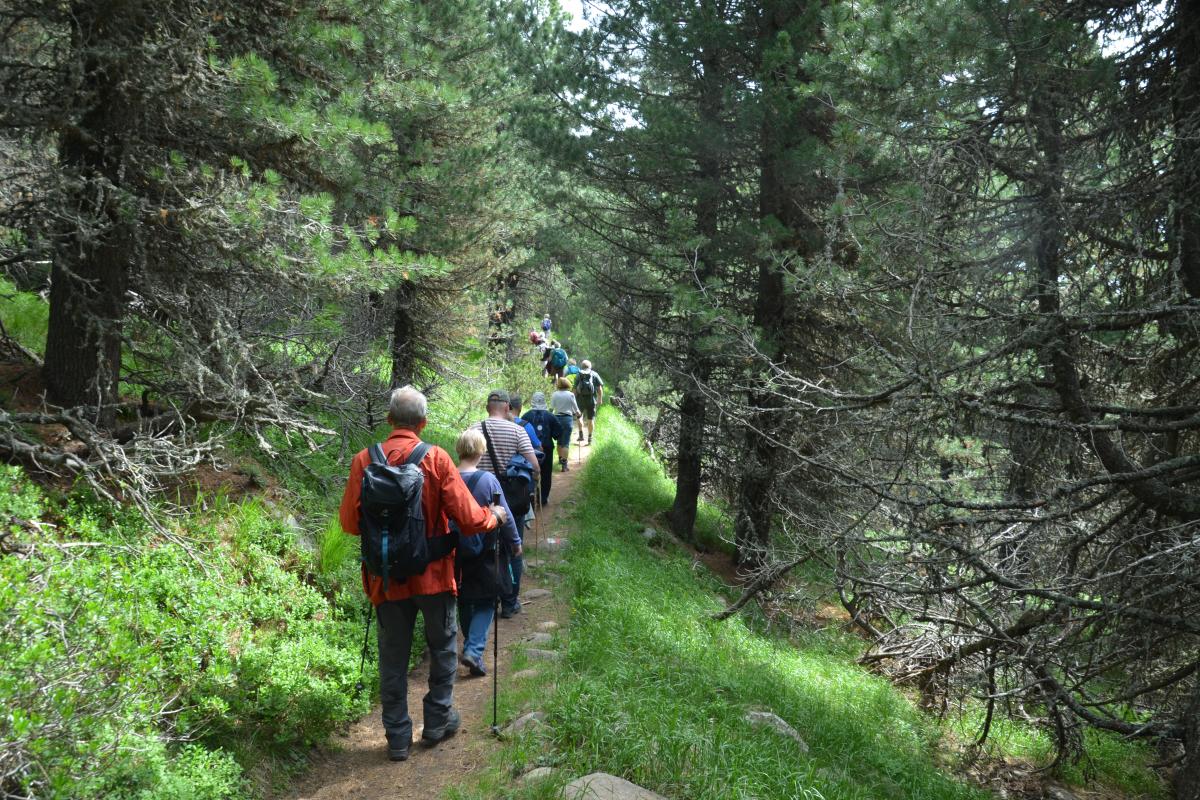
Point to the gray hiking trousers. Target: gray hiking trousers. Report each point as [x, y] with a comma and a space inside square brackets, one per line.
[396, 621]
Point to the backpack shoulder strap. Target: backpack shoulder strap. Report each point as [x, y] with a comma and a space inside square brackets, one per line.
[491, 450]
[418, 453]
[377, 455]
[473, 481]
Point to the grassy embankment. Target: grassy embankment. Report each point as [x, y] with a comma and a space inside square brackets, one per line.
[651, 689]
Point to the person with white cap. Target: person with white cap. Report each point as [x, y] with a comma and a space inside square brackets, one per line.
[589, 392]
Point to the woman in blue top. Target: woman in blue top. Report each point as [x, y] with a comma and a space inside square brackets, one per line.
[479, 582]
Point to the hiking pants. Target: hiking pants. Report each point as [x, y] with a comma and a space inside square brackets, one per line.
[516, 564]
[546, 463]
[477, 618]
[396, 621]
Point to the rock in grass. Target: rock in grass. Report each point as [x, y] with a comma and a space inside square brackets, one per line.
[538, 774]
[602, 786]
[531, 720]
[535, 594]
[548, 625]
[1058, 793]
[539, 638]
[760, 718]
[526, 673]
[649, 534]
[543, 655]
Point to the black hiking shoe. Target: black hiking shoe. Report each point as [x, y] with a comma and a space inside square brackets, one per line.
[431, 737]
[474, 666]
[398, 749]
[564, 466]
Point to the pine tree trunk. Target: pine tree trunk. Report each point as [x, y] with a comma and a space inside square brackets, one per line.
[403, 327]
[689, 462]
[1186, 104]
[90, 275]
[1187, 777]
[693, 407]
[785, 126]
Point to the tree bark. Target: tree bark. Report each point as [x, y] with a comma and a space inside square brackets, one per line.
[693, 407]
[404, 362]
[90, 275]
[1186, 108]
[783, 201]
[689, 463]
[1187, 777]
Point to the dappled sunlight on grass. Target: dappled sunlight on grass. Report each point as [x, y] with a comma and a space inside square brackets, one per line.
[658, 692]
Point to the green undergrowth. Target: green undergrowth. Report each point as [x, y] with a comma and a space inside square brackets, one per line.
[200, 664]
[653, 690]
[25, 316]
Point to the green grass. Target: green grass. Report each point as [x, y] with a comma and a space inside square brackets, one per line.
[26, 316]
[654, 691]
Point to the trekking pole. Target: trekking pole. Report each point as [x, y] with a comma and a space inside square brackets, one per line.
[496, 633]
[362, 664]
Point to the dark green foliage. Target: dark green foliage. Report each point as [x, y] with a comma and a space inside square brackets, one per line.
[215, 637]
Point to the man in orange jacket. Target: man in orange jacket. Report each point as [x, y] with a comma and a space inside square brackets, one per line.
[443, 497]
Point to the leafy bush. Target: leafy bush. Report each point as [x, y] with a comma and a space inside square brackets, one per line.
[118, 645]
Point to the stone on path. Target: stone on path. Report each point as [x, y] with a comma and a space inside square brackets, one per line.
[543, 655]
[602, 786]
[538, 774]
[539, 638]
[526, 673]
[530, 720]
[548, 625]
[1058, 793]
[535, 594]
[759, 718]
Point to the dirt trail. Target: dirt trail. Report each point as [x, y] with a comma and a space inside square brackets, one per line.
[355, 765]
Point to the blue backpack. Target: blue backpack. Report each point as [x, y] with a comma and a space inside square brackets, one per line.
[470, 546]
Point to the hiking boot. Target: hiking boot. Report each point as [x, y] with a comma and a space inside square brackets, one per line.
[589, 441]
[431, 737]
[564, 466]
[398, 748]
[474, 666]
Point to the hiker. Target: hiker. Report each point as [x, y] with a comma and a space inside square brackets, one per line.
[589, 391]
[481, 570]
[547, 352]
[565, 409]
[510, 602]
[546, 324]
[549, 431]
[558, 360]
[431, 592]
[572, 368]
[507, 440]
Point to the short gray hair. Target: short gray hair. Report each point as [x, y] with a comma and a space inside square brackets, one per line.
[514, 401]
[407, 408]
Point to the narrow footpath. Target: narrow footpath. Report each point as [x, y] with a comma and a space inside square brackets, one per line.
[355, 765]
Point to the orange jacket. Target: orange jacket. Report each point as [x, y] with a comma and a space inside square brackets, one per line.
[444, 496]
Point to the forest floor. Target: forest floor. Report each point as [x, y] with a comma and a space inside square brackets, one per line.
[355, 765]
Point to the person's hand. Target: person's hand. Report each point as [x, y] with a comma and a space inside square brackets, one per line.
[501, 514]
[517, 551]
